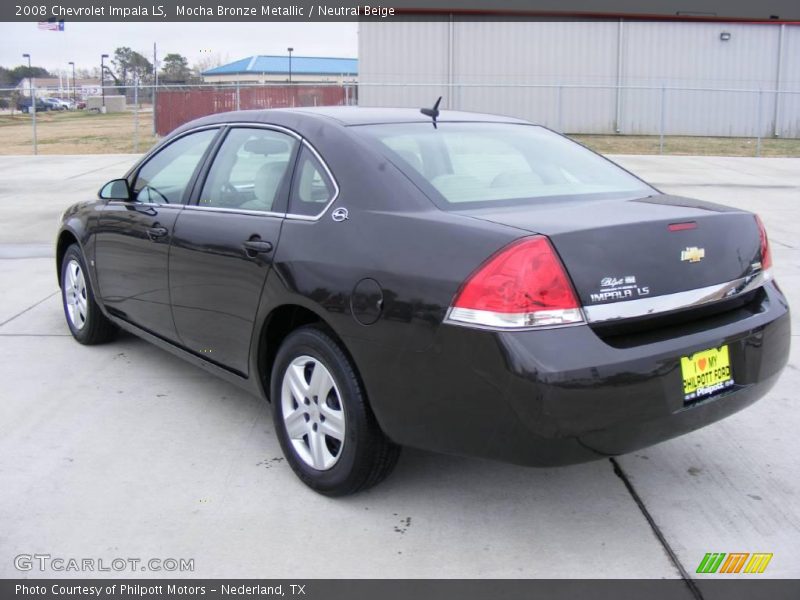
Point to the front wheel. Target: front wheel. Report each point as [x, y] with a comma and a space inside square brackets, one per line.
[325, 426]
[86, 321]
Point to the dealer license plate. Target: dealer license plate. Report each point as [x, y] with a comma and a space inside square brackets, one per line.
[705, 373]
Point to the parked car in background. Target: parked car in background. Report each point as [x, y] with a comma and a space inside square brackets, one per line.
[470, 284]
[24, 105]
[66, 104]
[54, 103]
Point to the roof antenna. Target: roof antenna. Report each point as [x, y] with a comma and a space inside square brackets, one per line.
[432, 112]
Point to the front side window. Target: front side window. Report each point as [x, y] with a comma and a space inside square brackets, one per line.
[249, 171]
[312, 189]
[163, 179]
[477, 164]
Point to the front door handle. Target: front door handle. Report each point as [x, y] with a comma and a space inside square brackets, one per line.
[253, 247]
[156, 232]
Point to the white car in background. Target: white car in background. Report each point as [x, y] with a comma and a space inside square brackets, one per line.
[60, 103]
[66, 103]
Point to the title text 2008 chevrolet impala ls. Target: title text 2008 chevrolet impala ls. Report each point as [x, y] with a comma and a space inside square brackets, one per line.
[468, 284]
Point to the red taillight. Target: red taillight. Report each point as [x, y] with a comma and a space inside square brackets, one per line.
[682, 226]
[523, 285]
[766, 255]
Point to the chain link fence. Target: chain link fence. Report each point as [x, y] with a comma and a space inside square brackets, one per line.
[637, 119]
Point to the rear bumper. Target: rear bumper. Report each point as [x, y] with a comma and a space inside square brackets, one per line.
[565, 395]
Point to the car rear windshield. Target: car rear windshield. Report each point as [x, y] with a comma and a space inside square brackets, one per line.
[469, 164]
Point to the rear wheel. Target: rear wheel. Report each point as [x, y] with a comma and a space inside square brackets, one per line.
[85, 320]
[325, 426]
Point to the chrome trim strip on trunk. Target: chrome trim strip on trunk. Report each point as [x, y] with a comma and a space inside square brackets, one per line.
[643, 307]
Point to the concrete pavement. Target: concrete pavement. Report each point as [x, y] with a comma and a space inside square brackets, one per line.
[123, 451]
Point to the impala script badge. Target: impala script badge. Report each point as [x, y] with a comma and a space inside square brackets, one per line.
[619, 288]
[693, 254]
[340, 214]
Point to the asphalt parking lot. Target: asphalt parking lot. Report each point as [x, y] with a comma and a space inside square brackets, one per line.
[124, 451]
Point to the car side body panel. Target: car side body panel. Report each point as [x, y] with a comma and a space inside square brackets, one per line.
[131, 265]
[79, 223]
[215, 287]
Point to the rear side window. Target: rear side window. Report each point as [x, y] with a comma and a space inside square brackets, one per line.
[312, 188]
[163, 179]
[465, 164]
[249, 171]
[407, 148]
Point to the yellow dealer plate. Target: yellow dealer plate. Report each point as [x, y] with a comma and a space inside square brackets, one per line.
[705, 373]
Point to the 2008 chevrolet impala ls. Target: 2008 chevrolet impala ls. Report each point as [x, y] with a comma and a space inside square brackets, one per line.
[464, 283]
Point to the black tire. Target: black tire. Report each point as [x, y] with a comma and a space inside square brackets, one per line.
[366, 456]
[91, 326]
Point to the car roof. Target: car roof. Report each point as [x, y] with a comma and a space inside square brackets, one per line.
[357, 115]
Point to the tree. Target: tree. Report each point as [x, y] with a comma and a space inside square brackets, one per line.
[130, 65]
[19, 73]
[208, 62]
[121, 62]
[175, 69]
[141, 68]
[5, 82]
[10, 78]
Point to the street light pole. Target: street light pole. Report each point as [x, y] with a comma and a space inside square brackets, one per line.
[74, 83]
[33, 101]
[103, 58]
[290, 63]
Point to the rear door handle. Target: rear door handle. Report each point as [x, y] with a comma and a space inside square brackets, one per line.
[157, 232]
[253, 247]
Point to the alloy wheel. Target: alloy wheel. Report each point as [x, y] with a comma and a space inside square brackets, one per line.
[75, 297]
[313, 413]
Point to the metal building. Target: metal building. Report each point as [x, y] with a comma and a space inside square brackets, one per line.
[631, 77]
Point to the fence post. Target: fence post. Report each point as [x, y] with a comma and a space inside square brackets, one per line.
[135, 115]
[153, 93]
[155, 88]
[758, 124]
[32, 110]
[661, 127]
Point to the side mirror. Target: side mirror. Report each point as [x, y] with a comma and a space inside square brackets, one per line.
[116, 189]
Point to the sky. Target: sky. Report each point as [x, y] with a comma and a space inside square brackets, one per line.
[83, 43]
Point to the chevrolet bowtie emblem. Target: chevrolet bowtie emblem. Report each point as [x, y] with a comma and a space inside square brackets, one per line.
[693, 254]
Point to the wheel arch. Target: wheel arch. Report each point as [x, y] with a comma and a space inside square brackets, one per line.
[281, 322]
[65, 239]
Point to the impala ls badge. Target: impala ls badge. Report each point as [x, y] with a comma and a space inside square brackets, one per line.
[340, 214]
[693, 254]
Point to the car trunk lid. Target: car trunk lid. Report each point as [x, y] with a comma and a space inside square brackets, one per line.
[621, 250]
